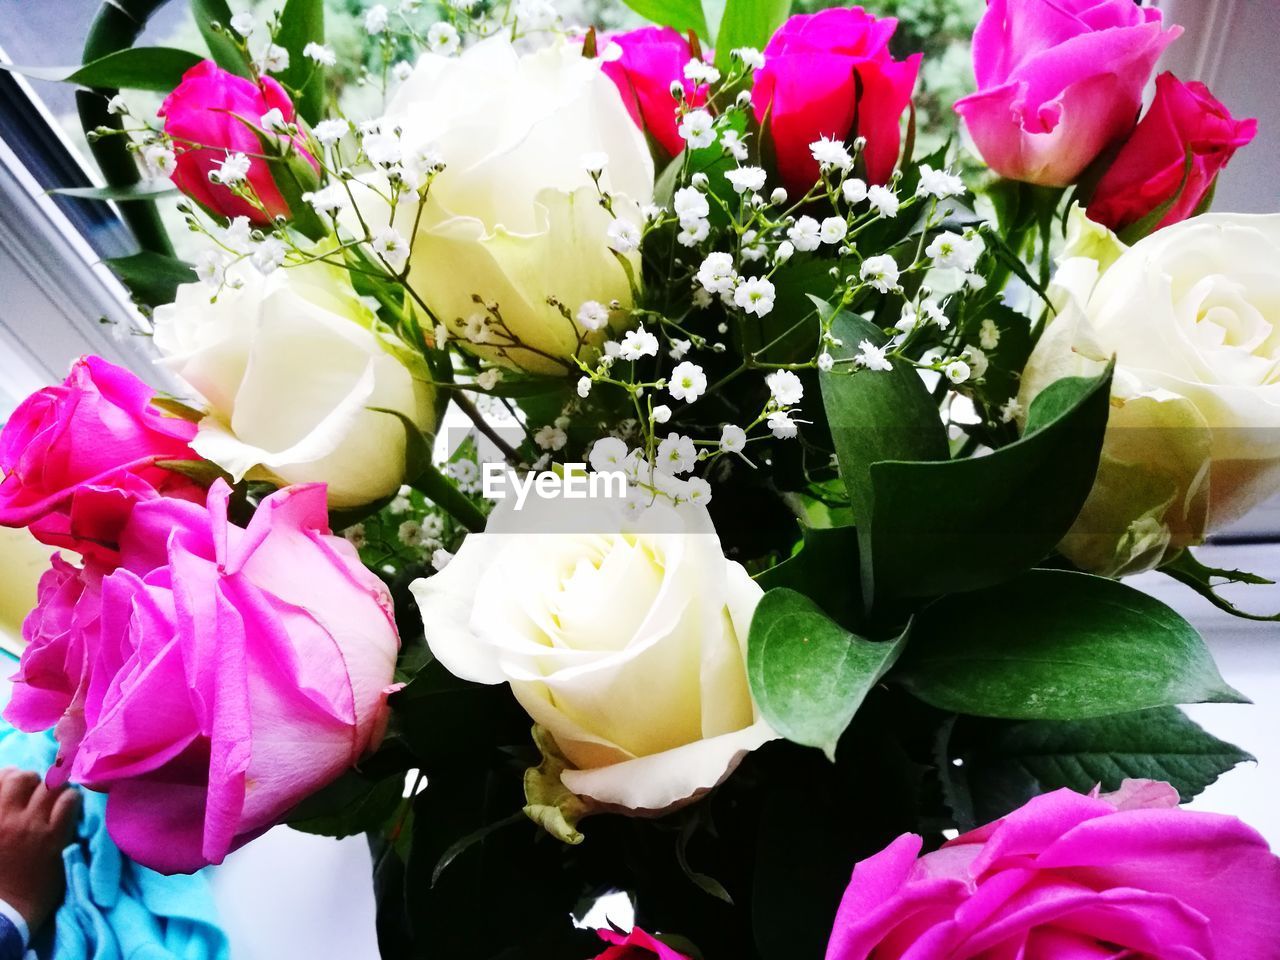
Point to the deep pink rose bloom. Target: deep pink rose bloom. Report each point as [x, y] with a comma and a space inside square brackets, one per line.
[831, 74]
[76, 457]
[1059, 81]
[229, 672]
[1149, 168]
[200, 116]
[1071, 877]
[652, 59]
[636, 945]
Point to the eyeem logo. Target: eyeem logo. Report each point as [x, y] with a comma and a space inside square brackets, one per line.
[571, 482]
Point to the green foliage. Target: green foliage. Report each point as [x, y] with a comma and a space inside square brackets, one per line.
[1204, 580]
[808, 675]
[301, 23]
[748, 23]
[990, 768]
[136, 68]
[825, 569]
[152, 278]
[683, 15]
[213, 17]
[352, 804]
[144, 190]
[1055, 645]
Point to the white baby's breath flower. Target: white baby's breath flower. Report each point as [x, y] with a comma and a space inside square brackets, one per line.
[831, 154]
[116, 106]
[957, 371]
[273, 121]
[391, 246]
[717, 274]
[440, 558]
[988, 335]
[938, 183]
[872, 357]
[237, 234]
[319, 53]
[410, 533]
[624, 236]
[688, 382]
[269, 255]
[697, 129]
[693, 232]
[211, 267]
[854, 190]
[833, 230]
[697, 491]
[274, 59]
[330, 131]
[159, 160]
[661, 413]
[676, 454]
[826, 362]
[550, 437]
[782, 426]
[584, 387]
[731, 140]
[593, 315]
[355, 535]
[594, 162]
[382, 149]
[746, 179]
[733, 439]
[751, 58]
[1010, 410]
[785, 387]
[690, 204]
[232, 170]
[699, 71]
[784, 252]
[754, 295]
[327, 200]
[884, 200]
[443, 39]
[950, 250]
[638, 343]
[376, 19]
[607, 454]
[243, 23]
[881, 272]
[489, 378]
[805, 234]
[679, 348]
[534, 14]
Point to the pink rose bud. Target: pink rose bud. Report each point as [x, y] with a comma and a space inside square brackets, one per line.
[1059, 81]
[1070, 876]
[76, 457]
[636, 945]
[205, 117]
[1149, 170]
[653, 59]
[214, 679]
[830, 74]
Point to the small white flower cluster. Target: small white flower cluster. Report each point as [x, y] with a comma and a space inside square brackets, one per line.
[660, 480]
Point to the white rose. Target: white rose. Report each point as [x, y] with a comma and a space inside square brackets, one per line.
[289, 366]
[514, 218]
[625, 640]
[1192, 314]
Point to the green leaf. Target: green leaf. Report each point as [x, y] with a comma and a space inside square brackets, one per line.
[201, 471]
[748, 23]
[221, 45]
[952, 525]
[292, 175]
[875, 415]
[301, 23]
[826, 570]
[548, 802]
[1188, 570]
[158, 69]
[1058, 645]
[807, 673]
[683, 15]
[173, 407]
[1140, 228]
[143, 190]
[354, 803]
[152, 278]
[1000, 761]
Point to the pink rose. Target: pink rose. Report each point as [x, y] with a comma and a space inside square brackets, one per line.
[830, 74]
[652, 59]
[76, 458]
[230, 672]
[200, 116]
[636, 945]
[1149, 168]
[1059, 81]
[1071, 877]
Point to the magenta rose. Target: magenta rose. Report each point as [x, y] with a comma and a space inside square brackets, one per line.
[636, 945]
[204, 117]
[1149, 170]
[1127, 876]
[830, 74]
[652, 59]
[1059, 81]
[228, 672]
[76, 457]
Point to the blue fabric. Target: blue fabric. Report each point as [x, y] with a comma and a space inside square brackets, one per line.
[115, 909]
[11, 944]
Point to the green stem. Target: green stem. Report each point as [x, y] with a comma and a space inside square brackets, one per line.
[437, 488]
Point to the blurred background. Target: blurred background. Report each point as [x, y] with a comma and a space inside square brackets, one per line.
[292, 895]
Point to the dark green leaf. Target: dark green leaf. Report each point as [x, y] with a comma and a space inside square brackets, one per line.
[1188, 570]
[301, 23]
[201, 471]
[1140, 228]
[221, 45]
[159, 69]
[152, 278]
[826, 570]
[173, 407]
[354, 803]
[683, 15]
[1057, 645]
[1001, 765]
[293, 176]
[807, 674]
[143, 190]
[748, 23]
[956, 525]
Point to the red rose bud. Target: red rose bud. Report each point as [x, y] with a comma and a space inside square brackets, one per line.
[206, 116]
[652, 59]
[1150, 171]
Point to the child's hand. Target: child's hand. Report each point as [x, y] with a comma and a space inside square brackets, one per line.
[34, 823]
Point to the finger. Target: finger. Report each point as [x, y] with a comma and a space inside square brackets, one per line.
[40, 803]
[66, 806]
[17, 787]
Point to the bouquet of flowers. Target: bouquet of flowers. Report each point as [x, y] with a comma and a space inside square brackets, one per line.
[619, 463]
